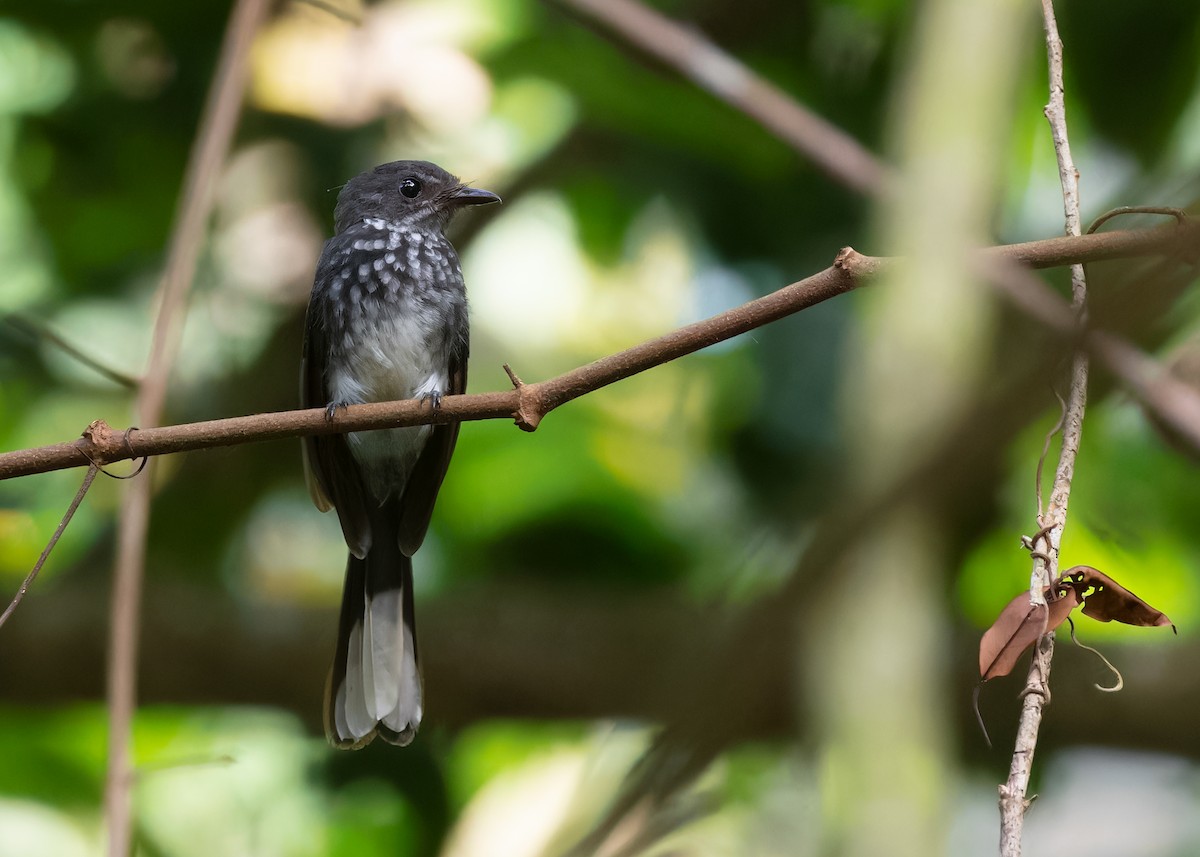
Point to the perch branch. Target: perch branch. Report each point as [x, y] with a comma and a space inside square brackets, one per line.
[530, 402]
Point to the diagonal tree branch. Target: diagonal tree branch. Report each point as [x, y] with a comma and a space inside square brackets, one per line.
[38, 330]
[530, 402]
[41, 560]
[835, 152]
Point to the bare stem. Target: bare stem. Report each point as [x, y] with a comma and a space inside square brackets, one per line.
[1013, 801]
[212, 144]
[41, 560]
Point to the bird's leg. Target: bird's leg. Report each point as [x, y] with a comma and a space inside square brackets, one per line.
[434, 397]
[332, 408]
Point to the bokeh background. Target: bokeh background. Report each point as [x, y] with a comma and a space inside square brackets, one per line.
[590, 582]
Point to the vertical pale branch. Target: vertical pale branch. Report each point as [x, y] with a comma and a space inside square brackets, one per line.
[212, 144]
[1013, 802]
[880, 632]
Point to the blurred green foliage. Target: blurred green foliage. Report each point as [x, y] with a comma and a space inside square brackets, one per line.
[635, 203]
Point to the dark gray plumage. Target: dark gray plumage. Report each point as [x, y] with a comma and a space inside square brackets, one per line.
[387, 320]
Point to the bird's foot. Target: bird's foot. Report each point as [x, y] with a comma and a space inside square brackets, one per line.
[434, 397]
[332, 408]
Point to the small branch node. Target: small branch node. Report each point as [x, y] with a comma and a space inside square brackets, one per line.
[857, 266]
[1041, 690]
[530, 408]
[845, 257]
[848, 259]
[102, 444]
[98, 437]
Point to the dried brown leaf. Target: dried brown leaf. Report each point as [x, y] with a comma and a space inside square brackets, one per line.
[1020, 623]
[1105, 600]
[1017, 628]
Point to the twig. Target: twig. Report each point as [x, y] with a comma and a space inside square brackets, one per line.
[1037, 478]
[513, 376]
[1167, 211]
[36, 329]
[1174, 401]
[334, 10]
[217, 125]
[62, 525]
[532, 401]
[835, 153]
[1013, 802]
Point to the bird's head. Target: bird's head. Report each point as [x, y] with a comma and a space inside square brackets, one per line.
[416, 195]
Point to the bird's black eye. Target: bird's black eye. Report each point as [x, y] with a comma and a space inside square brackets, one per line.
[410, 188]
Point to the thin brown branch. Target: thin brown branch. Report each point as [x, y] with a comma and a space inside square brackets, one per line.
[217, 125]
[834, 152]
[35, 329]
[1182, 239]
[1013, 801]
[1037, 475]
[529, 403]
[41, 560]
[1174, 401]
[645, 653]
[334, 10]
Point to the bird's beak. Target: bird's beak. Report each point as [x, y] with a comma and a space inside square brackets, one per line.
[474, 196]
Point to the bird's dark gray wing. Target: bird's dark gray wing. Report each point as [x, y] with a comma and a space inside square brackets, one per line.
[330, 470]
[427, 474]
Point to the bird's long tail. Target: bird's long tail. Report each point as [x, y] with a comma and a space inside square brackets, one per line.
[375, 686]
